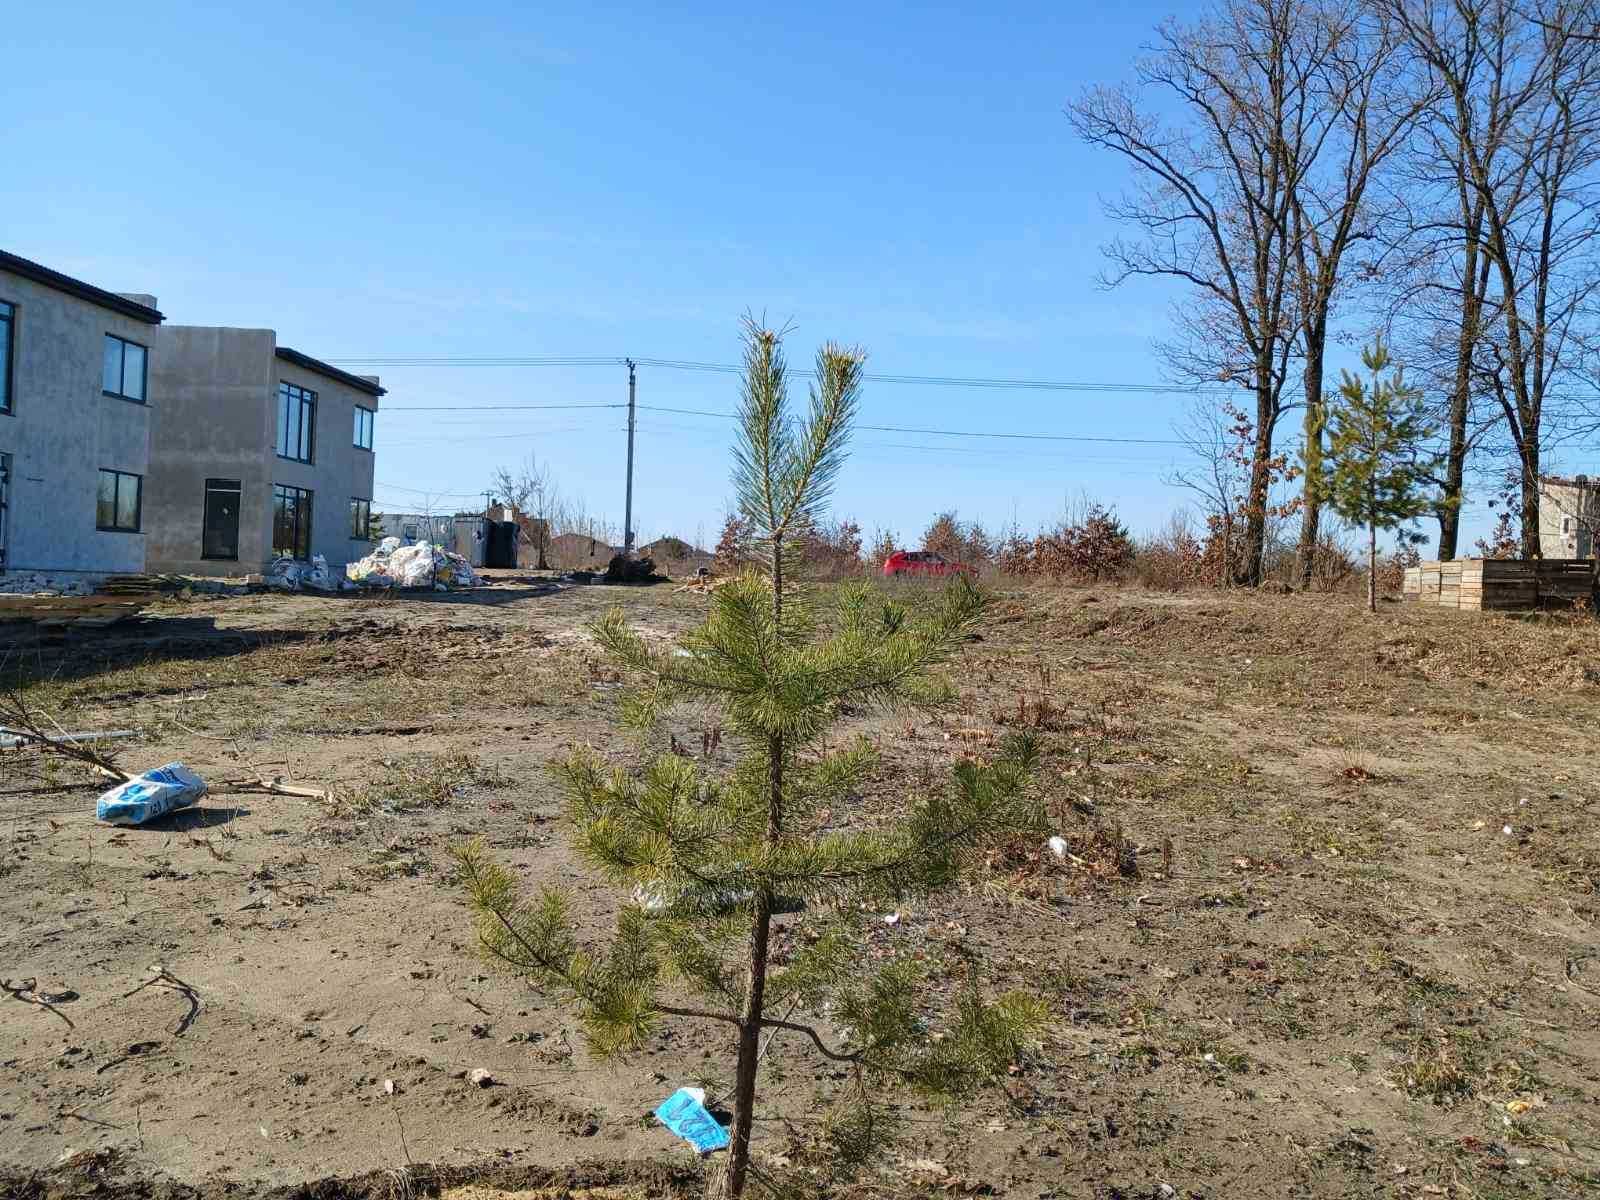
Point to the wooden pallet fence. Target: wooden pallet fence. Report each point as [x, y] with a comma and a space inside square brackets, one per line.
[1498, 584]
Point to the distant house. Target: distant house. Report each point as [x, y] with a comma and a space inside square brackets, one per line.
[76, 393]
[257, 451]
[1569, 516]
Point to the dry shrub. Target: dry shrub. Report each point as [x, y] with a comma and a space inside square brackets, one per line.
[831, 551]
[1175, 558]
[964, 543]
[732, 552]
[1392, 569]
[1091, 546]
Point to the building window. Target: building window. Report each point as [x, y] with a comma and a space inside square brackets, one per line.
[297, 422]
[291, 522]
[1566, 524]
[117, 508]
[363, 434]
[8, 317]
[124, 369]
[360, 518]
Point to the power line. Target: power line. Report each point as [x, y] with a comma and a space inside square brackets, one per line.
[395, 487]
[970, 433]
[391, 408]
[679, 364]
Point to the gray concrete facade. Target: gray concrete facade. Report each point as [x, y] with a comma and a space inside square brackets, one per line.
[1569, 516]
[58, 428]
[220, 425]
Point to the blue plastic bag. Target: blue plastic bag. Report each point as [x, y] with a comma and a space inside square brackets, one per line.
[684, 1112]
[151, 795]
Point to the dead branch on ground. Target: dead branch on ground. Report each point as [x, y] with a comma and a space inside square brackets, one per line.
[166, 979]
[27, 990]
[19, 719]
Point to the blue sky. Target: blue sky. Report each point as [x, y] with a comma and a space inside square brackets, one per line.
[393, 180]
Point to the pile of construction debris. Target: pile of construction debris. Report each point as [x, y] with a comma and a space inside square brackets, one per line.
[423, 565]
[44, 585]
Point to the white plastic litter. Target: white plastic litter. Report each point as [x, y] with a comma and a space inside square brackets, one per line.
[1058, 847]
[151, 795]
[319, 578]
[284, 575]
[423, 565]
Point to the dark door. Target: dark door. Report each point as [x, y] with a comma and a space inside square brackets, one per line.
[220, 538]
[502, 548]
[5, 507]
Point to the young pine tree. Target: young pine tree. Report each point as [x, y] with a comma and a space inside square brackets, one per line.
[709, 858]
[1375, 467]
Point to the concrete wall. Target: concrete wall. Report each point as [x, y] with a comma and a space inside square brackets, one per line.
[61, 431]
[216, 421]
[1569, 517]
[221, 423]
[339, 472]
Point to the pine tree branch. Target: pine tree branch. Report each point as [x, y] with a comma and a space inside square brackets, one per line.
[697, 1013]
[796, 1027]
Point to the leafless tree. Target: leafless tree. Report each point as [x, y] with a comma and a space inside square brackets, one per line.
[1217, 471]
[1369, 105]
[1217, 196]
[531, 489]
[1514, 143]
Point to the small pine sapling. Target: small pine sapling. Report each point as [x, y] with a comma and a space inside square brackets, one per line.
[1376, 464]
[708, 859]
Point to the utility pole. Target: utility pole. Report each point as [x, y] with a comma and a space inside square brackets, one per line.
[627, 511]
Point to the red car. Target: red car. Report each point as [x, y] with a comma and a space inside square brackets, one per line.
[923, 562]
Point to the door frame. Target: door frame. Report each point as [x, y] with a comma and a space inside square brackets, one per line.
[238, 513]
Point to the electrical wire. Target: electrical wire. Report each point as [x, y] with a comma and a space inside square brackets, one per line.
[458, 408]
[1033, 437]
[679, 364]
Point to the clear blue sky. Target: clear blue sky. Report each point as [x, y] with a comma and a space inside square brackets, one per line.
[499, 179]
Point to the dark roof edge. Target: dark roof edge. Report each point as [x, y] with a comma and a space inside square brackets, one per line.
[332, 372]
[29, 269]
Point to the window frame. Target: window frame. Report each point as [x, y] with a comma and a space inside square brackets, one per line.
[205, 499]
[308, 399]
[365, 535]
[371, 415]
[8, 347]
[305, 507]
[116, 502]
[122, 379]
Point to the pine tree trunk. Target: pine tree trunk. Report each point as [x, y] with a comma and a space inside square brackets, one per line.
[744, 1082]
[1372, 568]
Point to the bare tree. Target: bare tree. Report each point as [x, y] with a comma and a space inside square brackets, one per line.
[531, 489]
[1516, 133]
[1218, 471]
[1216, 197]
[1369, 105]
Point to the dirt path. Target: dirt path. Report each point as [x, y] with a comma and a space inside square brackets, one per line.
[1350, 983]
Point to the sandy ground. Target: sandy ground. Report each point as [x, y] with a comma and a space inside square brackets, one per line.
[1348, 981]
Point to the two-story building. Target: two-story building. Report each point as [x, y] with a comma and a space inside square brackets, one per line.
[257, 452]
[75, 412]
[1569, 516]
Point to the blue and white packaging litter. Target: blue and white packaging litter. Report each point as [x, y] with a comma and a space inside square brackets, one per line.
[684, 1112]
[151, 795]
